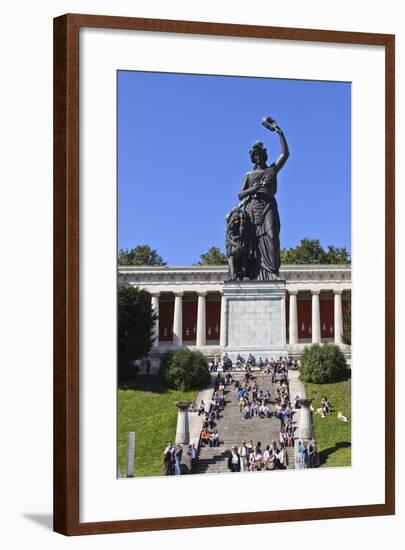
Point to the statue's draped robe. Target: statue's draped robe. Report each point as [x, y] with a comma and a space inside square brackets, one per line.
[262, 211]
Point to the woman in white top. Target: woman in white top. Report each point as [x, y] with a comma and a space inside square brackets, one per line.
[243, 453]
[266, 457]
[255, 459]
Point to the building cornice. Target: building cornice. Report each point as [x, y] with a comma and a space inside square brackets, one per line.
[224, 268]
[211, 278]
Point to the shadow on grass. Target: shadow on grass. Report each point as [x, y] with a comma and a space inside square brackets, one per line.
[145, 382]
[323, 455]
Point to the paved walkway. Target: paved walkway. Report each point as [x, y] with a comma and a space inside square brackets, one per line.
[232, 429]
[296, 388]
[196, 422]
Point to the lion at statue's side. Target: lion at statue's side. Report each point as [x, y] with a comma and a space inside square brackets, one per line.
[238, 246]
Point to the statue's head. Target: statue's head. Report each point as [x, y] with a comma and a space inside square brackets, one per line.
[258, 153]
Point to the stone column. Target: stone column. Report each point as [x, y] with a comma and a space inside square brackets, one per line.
[201, 324]
[338, 316]
[178, 319]
[130, 454]
[305, 432]
[222, 330]
[155, 308]
[316, 318]
[183, 429]
[283, 318]
[293, 325]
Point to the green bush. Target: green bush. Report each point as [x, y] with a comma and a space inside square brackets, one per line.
[323, 364]
[165, 360]
[185, 370]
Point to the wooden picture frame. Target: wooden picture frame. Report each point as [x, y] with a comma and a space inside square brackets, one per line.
[67, 282]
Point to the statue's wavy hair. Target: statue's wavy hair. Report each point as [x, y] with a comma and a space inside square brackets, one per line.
[258, 145]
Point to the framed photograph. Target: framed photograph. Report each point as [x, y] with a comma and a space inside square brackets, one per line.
[224, 289]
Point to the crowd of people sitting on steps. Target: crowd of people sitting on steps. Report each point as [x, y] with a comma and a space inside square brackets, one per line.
[253, 402]
[267, 365]
[249, 457]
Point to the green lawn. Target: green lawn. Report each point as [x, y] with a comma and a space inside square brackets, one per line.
[146, 407]
[333, 437]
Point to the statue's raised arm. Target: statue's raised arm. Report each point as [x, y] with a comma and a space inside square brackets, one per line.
[272, 125]
[253, 226]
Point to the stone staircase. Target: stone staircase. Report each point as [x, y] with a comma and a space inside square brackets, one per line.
[232, 429]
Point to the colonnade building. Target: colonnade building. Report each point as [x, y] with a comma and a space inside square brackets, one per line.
[190, 304]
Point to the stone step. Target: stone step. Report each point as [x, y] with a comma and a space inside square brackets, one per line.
[249, 424]
[233, 428]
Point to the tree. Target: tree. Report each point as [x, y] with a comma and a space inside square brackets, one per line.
[323, 364]
[142, 254]
[185, 370]
[213, 256]
[136, 321]
[337, 255]
[310, 251]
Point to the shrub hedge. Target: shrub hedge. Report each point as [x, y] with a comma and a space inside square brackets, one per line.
[185, 370]
[323, 364]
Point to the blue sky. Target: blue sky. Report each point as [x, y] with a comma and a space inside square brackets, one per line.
[183, 149]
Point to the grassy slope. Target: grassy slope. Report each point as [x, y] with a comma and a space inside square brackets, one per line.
[333, 437]
[146, 408]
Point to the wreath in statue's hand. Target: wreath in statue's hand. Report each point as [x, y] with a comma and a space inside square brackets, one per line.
[270, 124]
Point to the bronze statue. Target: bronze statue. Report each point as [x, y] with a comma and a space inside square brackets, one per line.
[253, 227]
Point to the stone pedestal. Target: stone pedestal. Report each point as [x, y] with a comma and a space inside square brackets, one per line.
[254, 318]
[305, 431]
[183, 429]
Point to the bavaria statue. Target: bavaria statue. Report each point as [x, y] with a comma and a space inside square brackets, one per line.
[253, 226]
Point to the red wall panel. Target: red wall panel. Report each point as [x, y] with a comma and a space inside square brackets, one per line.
[213, 318]
[189, 320]
[304, 312]
[166, 313]
[327, 318]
